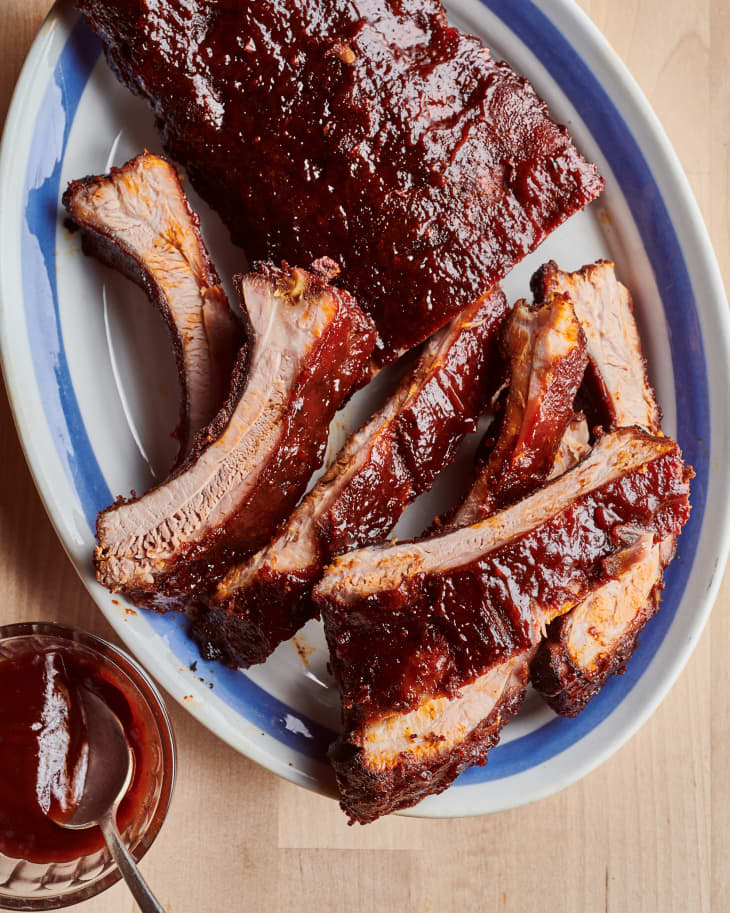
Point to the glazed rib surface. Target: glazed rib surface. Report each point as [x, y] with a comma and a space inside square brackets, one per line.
[137, 219]
[369, 131]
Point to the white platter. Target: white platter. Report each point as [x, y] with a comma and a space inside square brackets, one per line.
[93, 394]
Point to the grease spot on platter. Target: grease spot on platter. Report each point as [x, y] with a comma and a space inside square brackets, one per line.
[303, 647]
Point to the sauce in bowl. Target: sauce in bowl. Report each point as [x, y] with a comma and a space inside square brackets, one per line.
[43, 749]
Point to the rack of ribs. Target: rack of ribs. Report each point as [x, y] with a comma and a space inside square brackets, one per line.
[137, 219]
[380, 470]
[585, 647]
[308, 345]
[423, 620]
[371, 132]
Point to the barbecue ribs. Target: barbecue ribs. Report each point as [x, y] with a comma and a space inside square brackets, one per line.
[308, 346]
[138, 220]
[371, 132]
[383, 466]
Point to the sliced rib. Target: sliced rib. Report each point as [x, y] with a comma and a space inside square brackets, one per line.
[547, 359]
[617, 365]
[409, 620]
[425, 625]
[138, 220]
[309, 343]
[395, 762]
[587, 646]
[392, 459]
[369, 130]
[584, 648]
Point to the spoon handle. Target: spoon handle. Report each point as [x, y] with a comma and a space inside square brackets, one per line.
[146, 900]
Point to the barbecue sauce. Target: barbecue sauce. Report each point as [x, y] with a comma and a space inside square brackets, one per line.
[43, 751]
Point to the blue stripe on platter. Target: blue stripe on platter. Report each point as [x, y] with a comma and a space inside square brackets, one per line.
[620, 148]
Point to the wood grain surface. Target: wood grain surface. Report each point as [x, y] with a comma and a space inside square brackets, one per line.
[648, 831]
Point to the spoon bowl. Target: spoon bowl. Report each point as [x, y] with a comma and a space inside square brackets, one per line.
[110, 766]
[109, 772]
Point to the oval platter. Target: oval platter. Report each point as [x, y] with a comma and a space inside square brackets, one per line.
[93, 387]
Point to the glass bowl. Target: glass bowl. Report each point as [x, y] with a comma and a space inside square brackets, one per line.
[28, 885]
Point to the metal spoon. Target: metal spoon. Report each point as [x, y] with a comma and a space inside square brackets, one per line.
[108, 777]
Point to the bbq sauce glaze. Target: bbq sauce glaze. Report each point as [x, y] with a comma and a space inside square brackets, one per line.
[43, 749]
[370, 131]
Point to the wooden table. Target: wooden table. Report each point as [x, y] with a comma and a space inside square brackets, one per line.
[648, 831]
